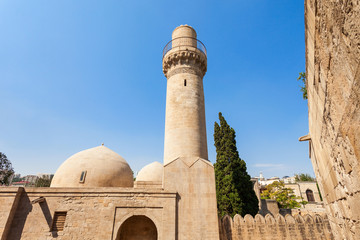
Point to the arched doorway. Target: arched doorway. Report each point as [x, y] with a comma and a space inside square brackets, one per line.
[310, 195]
[137, 227]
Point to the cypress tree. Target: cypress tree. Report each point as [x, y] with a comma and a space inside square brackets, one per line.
[234, 189]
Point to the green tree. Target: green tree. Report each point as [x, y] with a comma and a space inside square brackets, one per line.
[285, 197]
[6, 169]
[304, 177]
[302, 78]
[43, 182]
[234, 189]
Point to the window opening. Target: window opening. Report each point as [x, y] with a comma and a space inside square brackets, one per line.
[310, 195]
[82, 177]
[58, 221]
[185, 82]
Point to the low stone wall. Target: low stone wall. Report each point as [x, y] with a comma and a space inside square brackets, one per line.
[91, 213]
[309, 227]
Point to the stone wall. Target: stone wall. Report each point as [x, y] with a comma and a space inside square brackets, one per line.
[8, 205]
[268, 206]
[307, 227]
[301, 187]
[195, 185]
[91, 213]
[332, 34]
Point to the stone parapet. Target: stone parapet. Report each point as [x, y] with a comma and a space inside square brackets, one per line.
[315, 227]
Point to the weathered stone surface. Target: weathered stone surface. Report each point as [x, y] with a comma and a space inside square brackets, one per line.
[92, 213]
[195, 185]
[187, 170]
[333, 83]
[314, 227]
[9, 202]
[185, 126]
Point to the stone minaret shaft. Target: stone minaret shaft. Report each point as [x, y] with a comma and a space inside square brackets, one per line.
[184, 66]
[187, 169]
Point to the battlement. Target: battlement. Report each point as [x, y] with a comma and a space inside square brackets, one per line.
[290, 227]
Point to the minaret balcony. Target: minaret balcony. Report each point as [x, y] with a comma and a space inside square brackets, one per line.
[183, 43]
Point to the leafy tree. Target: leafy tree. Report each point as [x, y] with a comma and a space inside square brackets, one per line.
[16, 179]
[304, 177]
[234, 189]
[43, 182]
[285, 197]
[6, 169]
[302, 78]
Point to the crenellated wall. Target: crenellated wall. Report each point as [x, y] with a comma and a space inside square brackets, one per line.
[309, 227]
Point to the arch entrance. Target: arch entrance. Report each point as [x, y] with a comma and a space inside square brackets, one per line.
[310, 195]
[137, 227]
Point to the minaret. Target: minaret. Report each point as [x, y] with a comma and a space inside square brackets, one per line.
[187, 169]
[184, 65]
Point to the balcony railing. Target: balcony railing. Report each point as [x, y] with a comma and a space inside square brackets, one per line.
[184, 42]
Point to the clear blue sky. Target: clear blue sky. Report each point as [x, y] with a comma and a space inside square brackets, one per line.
[74, 74]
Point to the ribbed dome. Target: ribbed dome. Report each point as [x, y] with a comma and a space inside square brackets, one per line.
[151, 172]
[94, 167]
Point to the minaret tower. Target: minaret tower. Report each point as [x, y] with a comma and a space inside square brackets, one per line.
[184, 65]
[187, 169]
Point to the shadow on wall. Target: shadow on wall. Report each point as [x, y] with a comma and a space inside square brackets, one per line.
[137, 227]
[225, 228]
[45, 209]
[269, 206]
[22, 211]
[289, 227]
[18, 222]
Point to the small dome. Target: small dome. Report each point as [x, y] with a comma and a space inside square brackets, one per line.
[152, 172]
[94, 167]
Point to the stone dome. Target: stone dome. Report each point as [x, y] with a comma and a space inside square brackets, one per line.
[94, 167]
[152, 172]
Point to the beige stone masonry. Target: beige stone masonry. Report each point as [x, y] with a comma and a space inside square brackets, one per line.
[92, 213]
[197, 210]
[9, 201]
[186, 168]
[314, 227]
[185, 126]
[332, 34]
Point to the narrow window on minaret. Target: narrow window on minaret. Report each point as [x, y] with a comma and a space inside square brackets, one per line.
[185, 82]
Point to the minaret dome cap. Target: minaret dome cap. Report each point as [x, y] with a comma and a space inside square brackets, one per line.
[184, 31]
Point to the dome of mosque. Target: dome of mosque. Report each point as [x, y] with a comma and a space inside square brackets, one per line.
[152, 172]
[94, 167]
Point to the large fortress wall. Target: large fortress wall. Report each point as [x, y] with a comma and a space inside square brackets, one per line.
[314, 227]
[332, 32]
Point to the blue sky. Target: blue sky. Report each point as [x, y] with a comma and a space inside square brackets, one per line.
[75, 74]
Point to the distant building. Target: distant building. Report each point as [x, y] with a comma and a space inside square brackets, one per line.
[288, 179]
[45, 175]
[307, 191]
[31, 179]
[17, 175]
